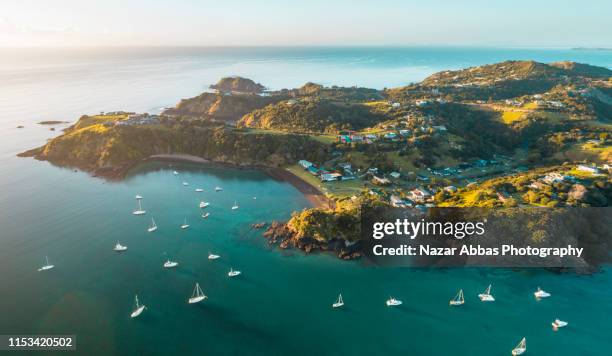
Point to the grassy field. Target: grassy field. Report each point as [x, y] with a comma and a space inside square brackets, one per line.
[325, 139]
[510, 117]
[338, 189]
[586, 151]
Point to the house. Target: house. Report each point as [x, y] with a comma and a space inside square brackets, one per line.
[330, 177]
[305, 164]
[390, 135]
[395, 175]
[589, 169]
[536, 185]
[553, 177]
[397, 202]
[419, 195]
[440, 128]
[395, 105]
[381, 180]
[421, 103]
[422, 177]
[404, 133]
[450, 189]
[291, 102]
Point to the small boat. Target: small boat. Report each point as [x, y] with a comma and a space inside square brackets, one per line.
[138, 309]
[185, 183]
[233, 273]
[197, 295]
[205, 215]
[170, 264]
[138, 197]
[486, 296]
[199, 190]
[213, 256]
[235, 206]
[218, 189]
[139, 211]
[339, 303]
[392, 302]
[541, 293]
[254, 198]
[175, 173]
[153, 226]
[185, 225]
[204, 204]
[559, 324]
[47, 265]
[520, 348]
[458, 300]
[119, 247]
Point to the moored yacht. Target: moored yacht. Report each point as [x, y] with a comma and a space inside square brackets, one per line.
[47, 265]
[138, 309]
[233, 273]
[235, 206]
[339, 303]
[170, 264]
[458, 300]
[218, 189]
[139, 211]
[212, 256]
[204, 204]
[153, 226]
[185, 225]
[197, 295]
[119, 247]
[520, 348]
[540, 293]
[486, 296]
[392, 302]
[199, 190]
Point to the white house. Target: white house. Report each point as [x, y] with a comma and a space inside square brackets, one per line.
[553, 177]
[589, 169]
[305, 164]
[397, 202]
[330, 177]
[419, 195]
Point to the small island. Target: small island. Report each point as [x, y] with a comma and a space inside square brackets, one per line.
[510, 134]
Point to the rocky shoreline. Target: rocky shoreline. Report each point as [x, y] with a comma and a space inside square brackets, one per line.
[280, 234]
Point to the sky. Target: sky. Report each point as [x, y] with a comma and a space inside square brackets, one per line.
[520, 23]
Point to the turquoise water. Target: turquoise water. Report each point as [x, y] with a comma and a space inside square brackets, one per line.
[281, 304]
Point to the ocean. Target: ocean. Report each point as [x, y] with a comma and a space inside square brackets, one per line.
[281, 304]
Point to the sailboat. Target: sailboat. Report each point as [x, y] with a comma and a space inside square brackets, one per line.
[170, 264]
[199, 190]
[458, 300]
[119, 247]
[520, 348]
[392, 302]
[47, 265]
[486, 296]
[559, 324]
[139, 211]
[197, 295]
[235, 206]
[138, 196]
[205, 215]
[204, 204]
[212, 256]
[233, 273]
[541, 293]
[138, 309]
[218, 189]
[185, 183]
[339, 303]
[185, 225]
[153, 226]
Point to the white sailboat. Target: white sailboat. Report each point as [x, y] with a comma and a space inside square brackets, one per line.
[520, 348]
[199, 190]
[139, 211]
[47, 265]
[204, 204]
[559, 324]
[458, 300]
[392, 302]
[212, 256]
[486, 296]
[540, 293]
[185, 225]
[138, 309]
[339, 303]
[205, 215]
[235, 206]
[138, 196]
[218, 189]
[197, 295]
[170, 264]
[233, 273]
[153, 226]
[119, 247]
[185, 183]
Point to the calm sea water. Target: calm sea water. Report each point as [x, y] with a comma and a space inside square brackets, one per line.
[282, 302]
